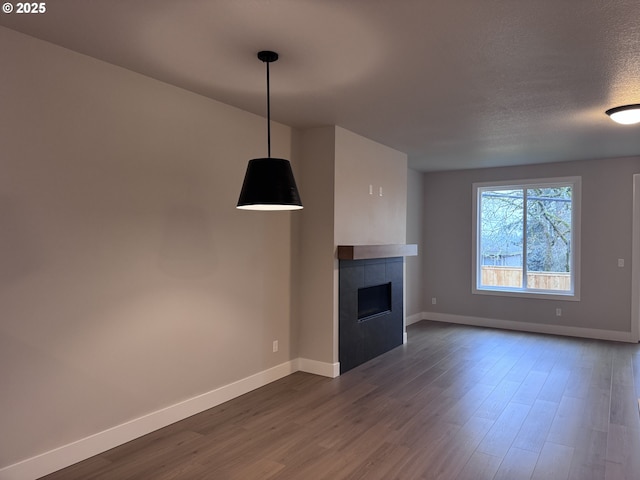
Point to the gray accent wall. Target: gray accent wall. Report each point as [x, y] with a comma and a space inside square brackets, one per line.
[415, 228]
[606, 236]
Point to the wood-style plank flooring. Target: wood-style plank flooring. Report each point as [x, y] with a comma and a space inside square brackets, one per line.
[454, 403]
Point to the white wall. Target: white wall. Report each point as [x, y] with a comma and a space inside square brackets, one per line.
[128, 280]
[316, 260]
[361, 218]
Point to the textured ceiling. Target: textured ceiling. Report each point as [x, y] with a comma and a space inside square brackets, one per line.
[453, 83]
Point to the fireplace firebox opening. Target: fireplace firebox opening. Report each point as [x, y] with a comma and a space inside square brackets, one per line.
[374, 301]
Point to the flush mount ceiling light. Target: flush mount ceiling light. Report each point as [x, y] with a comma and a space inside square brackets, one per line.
[269, 183]
[626, 114]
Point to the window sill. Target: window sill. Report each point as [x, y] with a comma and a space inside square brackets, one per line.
[567, 297]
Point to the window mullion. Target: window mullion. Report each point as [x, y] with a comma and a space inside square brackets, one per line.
[524, 238]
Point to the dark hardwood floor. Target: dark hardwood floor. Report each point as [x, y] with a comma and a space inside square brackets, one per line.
[455, 402]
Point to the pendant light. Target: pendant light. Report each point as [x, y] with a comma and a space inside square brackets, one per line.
[269, 183]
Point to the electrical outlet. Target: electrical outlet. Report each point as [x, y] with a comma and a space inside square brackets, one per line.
[558, 312]
[275, 346]
[433, 300]
[621, 262]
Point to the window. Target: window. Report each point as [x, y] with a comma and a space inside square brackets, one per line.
[526, 238]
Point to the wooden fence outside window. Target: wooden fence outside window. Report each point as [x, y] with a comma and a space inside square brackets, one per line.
[512, 277]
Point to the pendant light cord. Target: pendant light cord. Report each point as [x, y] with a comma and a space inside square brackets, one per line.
[267, 56]
[268, 114]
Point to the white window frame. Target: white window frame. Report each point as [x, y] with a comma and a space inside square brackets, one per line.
[576, 199]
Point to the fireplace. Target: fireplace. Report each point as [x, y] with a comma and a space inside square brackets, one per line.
[371, 310]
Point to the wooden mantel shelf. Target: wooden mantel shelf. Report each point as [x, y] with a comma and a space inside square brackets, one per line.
[361, 252]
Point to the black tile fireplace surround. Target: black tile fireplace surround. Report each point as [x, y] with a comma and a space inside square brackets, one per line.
[379, 328]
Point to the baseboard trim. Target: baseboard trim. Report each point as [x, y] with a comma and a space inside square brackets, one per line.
[331, 370]
[79, 450]
[562, 330]
[82, 449]
[415, 318]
